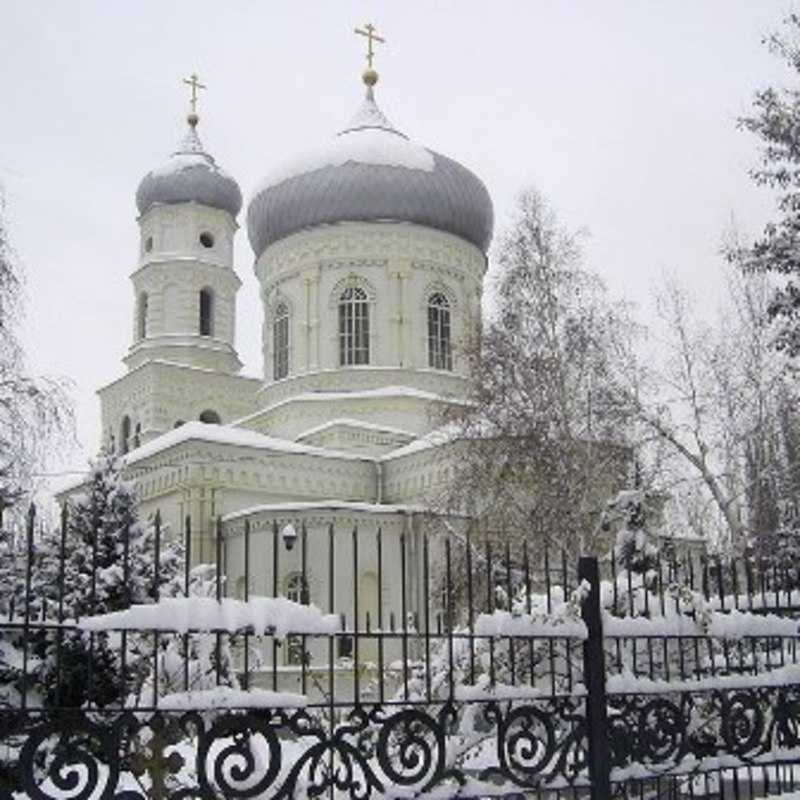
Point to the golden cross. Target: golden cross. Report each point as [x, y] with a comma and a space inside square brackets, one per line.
[369, 31]
[194, 82]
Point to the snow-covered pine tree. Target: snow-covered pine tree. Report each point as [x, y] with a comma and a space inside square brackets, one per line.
[776, 121]
[109, 564]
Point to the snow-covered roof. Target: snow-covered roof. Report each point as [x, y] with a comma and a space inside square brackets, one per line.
[325, 505]
[363, 394]
[189, 175]
[355, 423]
[163, 362]
[215, 434]
[370, 172]
[225, 434]
[436, 438]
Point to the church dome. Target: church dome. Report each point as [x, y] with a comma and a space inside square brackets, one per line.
[370, 172]
[189, 175]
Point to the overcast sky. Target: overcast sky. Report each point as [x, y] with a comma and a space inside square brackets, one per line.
[623, 113]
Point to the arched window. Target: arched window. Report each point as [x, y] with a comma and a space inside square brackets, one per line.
[297, 591]
[206, 312]
[124, 434]
[210, 417]
[440, 355]
[141, 316]
[353, 327]
[137, 435]
[297, 588]
[280, 342]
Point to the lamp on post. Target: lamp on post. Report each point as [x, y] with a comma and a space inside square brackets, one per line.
[289, 535]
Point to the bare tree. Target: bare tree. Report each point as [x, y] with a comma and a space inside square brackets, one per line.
[34, 410]
[545, 433]
[716, 403]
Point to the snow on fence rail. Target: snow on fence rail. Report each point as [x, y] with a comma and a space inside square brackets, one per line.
[259, 615]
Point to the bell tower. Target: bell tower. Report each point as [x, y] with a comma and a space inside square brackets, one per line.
[182, 353]
[185, 286]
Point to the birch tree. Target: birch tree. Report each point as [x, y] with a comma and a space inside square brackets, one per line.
[35, 411]
[545, 435]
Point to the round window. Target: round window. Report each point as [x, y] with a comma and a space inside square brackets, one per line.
[148, 244]
[206, 239]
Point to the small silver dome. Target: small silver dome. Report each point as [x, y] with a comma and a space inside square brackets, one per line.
[370, 172]
[190, 175]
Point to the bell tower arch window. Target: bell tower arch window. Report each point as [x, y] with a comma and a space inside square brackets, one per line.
[141, 316]
[440, 354]
[124, 434]
[353, 327]
[280, 342]
[206, 312]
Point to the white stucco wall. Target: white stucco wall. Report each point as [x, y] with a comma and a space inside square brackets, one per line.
[399, 266]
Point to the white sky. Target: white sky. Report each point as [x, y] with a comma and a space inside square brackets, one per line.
[621, 112]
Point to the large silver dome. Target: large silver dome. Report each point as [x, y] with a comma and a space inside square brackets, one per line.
[370, 172]
[189, 175]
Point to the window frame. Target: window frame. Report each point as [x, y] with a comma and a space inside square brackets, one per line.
[280, 342]
[205, 312]
[440, 328]
[125, 434]
[353, 327]
[141, 316]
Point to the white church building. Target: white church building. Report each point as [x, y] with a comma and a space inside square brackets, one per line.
[370, 252]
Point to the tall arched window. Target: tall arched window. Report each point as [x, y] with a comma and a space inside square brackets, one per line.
[353, 327]
[125, 434]
[297, 591]
[206, 312]
[137, 435]
[440, 355]
[280, 342]
[141, 316]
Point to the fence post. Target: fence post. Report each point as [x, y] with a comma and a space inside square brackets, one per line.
[594, 678]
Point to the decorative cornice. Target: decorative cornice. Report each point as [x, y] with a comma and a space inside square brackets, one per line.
[370, 242]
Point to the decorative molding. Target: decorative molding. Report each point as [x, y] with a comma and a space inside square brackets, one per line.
[352, 280]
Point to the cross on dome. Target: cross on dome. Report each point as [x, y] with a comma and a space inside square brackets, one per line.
[370, 76]
[194, 81]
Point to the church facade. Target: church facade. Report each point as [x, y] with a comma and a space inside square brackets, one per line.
[370, 254]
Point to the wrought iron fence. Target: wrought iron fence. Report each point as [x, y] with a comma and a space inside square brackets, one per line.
[469, 669]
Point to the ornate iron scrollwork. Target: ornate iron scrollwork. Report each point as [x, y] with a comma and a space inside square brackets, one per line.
[659, 731]
[284, 753]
